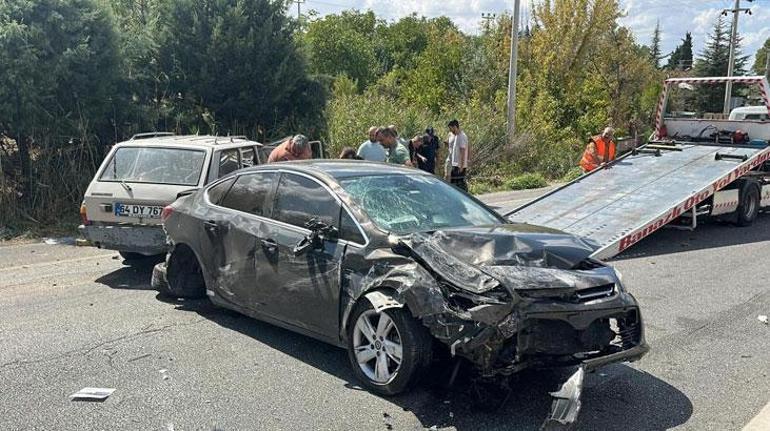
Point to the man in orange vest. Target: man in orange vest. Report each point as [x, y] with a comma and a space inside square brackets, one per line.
[601, 149]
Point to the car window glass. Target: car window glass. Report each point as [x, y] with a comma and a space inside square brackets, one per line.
[218, 191]
[349, 230]
[228, 161]
[300, 199]
[415, 203]
[247, 157]
[249, 193]
[155, 165]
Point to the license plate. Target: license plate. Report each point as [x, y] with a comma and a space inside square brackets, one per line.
[139, 211]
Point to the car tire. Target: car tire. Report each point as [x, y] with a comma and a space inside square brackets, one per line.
[130, 255]
[415, 344]
[749, 205]
[184, 277]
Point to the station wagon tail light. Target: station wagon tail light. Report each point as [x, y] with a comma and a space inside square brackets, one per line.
[166, 213]
[84, 215]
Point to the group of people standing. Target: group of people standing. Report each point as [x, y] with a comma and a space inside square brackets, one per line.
[385, 145]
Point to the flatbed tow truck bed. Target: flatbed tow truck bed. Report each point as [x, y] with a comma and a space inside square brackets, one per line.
[617, 205]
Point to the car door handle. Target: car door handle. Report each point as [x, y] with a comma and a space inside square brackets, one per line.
[211, 225]
[269, 245]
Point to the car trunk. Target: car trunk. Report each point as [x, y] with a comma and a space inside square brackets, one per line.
[111, 202]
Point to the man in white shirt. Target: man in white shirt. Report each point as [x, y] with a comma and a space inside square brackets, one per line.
[372, 150]
[457, 160]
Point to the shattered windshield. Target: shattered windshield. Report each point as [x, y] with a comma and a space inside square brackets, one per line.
[155, 165]
[415, 203]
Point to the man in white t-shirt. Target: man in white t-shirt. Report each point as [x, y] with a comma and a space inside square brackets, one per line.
[457, 160]
[372, 150]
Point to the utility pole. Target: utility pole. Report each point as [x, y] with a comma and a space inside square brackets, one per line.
[731, 64]
[512, 72]
[299, 4]
[487, 17]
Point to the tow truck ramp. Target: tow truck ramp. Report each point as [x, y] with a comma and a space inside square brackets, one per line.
[621, 203]
[618, 204]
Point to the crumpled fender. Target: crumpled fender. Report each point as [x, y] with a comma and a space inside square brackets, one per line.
[382, 301]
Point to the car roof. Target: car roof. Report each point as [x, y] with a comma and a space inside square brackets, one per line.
[187, 141]
[339, 168]
[750, 110]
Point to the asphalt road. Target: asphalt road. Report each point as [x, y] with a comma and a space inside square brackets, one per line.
[74, 317]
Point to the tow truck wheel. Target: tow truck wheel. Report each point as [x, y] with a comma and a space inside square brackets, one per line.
[749, 205]
[387, 350]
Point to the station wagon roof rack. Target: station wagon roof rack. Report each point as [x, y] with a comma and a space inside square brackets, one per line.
[147, 135]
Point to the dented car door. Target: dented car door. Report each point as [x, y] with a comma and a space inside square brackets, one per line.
[235, 234]
[290, 278]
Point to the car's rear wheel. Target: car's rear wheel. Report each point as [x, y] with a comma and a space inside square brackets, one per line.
[388, 349]
[183, 275]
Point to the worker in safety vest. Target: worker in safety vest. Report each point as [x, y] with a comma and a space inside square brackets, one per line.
[601, 149]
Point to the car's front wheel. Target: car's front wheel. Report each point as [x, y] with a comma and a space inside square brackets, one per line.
[387, 350]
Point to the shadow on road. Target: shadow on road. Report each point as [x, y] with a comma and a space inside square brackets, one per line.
[617, 397]
[710, 234]
[136, 276]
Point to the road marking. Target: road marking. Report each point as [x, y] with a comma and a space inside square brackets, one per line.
[761, 422]
[55, 262]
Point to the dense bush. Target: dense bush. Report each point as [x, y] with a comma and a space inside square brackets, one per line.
[527, 181]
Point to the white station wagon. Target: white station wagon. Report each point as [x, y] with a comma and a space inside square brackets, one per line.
[123, 204]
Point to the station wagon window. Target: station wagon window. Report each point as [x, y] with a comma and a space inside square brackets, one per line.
[155, 165]
[249, 193]
[218, 191]
[247, 157]
[300, 199]
[228, 161]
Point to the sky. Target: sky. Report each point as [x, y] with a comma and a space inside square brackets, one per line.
[676, 17]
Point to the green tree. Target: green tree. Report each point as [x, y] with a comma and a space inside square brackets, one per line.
[760, 60]
[655, 46]
[233, 67]
[714, 62]
[59, 71]
[399, 44]
[681, 58]
[143, 92]
[343, 45]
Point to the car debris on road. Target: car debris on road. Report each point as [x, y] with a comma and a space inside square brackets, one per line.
[92, 394]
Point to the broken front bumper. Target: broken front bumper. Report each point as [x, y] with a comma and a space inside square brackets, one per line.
[143, 239]
[546, 333]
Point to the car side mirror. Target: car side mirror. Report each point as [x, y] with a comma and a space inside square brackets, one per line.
[319, 232]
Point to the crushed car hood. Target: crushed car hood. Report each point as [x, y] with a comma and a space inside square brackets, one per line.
[517, 256]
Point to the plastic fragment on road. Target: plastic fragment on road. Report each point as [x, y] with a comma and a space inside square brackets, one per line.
[763, 318]
[92, 394]
[163, 373]
[566, 403]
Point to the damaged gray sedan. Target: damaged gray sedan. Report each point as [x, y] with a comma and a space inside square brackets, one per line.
[394, 265]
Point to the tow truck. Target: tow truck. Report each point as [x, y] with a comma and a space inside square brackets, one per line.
[690, 168]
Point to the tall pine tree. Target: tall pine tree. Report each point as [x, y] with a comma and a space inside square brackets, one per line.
[681, 57]
[655, 47]
[714, 62]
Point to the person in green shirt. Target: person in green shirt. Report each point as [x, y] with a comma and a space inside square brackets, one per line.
[397, 152]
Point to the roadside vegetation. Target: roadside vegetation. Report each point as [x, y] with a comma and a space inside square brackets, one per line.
[79, 75]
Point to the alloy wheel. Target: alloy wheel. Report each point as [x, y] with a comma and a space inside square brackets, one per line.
[377, 346]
